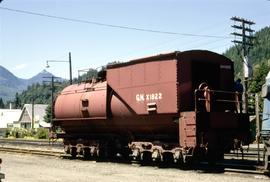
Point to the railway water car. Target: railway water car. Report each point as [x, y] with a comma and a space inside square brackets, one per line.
[177, 106]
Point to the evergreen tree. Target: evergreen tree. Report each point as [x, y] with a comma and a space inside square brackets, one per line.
[259, 53]
[47, 117]
[260, 72]
[2, 105]
[17, 101]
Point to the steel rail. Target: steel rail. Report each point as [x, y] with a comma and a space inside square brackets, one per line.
[232, 163]
[4, 141]
[31, 151]
[227, 167]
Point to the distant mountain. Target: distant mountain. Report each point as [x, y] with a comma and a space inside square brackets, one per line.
[10, 84]
[10, 80]
[39, 78]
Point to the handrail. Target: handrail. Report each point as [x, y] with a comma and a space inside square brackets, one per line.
[265, 133]
[210, 97]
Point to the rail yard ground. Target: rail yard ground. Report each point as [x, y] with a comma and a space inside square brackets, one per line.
[31, 168]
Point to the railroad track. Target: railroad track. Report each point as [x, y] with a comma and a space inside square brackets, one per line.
[31, 151]
[19, 142]
[34, 147]
[232, 162]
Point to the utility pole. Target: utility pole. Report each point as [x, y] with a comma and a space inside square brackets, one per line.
[61, 61]
[33, 113]
[258, 131]
[52, 94]
[70, 68]
[245, 42]
[52, 91]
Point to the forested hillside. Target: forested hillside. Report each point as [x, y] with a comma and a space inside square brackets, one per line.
[259, 57]
[10, 84]
[259, 53]
[41, 93]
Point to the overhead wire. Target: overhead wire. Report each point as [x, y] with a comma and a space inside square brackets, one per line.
[183, 44]
[124, 27]
[221, 46]
[111, 25]
[208, 43]
[188, 43]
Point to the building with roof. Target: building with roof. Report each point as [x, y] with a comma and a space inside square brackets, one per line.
[30, 114]
[7, 117]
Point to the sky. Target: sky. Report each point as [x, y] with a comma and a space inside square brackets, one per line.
[97, 32]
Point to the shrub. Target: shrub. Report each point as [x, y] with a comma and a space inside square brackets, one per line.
[42, 133]
[19, 132]
[8, 132]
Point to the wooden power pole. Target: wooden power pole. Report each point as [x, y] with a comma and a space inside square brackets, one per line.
[244, 38]
[52, 82]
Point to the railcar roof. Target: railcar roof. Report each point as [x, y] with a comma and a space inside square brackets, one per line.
[165, 56]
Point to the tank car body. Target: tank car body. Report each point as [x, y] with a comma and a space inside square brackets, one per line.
[180, 103]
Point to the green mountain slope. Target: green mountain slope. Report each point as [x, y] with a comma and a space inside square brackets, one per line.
[10, 84]
[259, 53]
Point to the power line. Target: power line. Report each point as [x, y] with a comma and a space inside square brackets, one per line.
[111, 25]
[207, 43]
[220, 46]
[183, 44]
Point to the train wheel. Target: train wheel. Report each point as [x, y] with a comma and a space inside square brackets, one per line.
[180, 161]
[102, 153]
[86, 153]
[146, 157]
[197, 155]
[67, 149]
[73, 152]
[126, 153]
[211, 156]
[168, 158]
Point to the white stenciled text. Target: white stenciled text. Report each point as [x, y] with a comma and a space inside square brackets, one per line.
[148, 97]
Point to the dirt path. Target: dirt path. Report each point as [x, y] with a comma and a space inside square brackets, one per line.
[27, 168]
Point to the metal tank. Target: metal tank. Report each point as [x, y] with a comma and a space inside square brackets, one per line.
[152, 103]
[138, 99]
[142, 96]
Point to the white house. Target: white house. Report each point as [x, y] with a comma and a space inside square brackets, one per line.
[25, 119]
[7, 117]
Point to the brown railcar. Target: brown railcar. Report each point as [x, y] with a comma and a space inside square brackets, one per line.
[179, 104]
